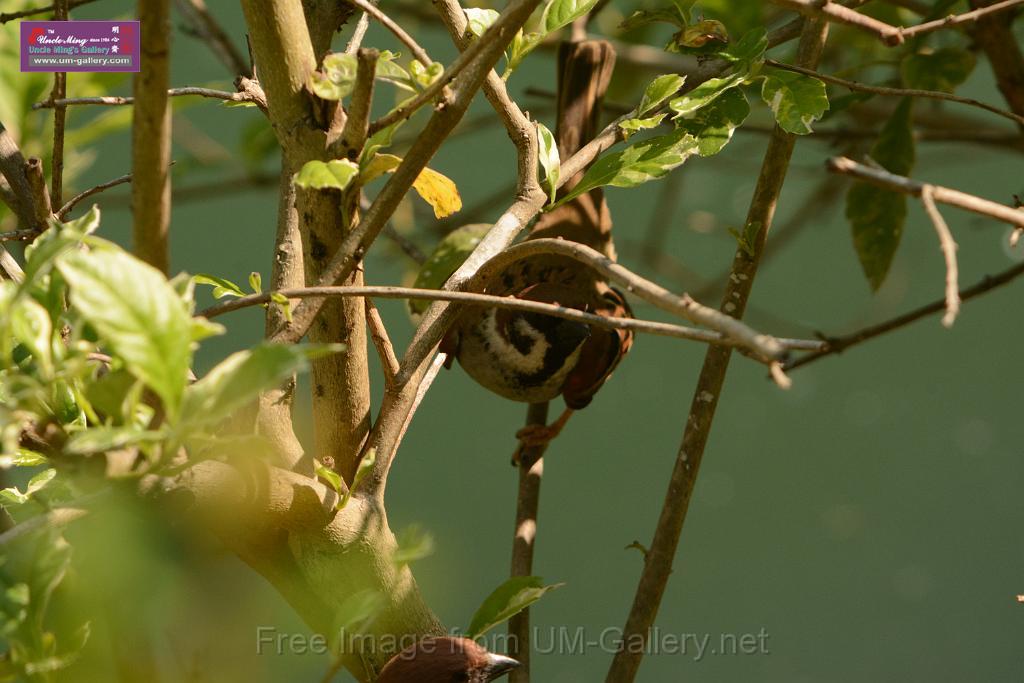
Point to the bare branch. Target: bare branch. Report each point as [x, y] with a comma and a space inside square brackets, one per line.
[151, 138]
[960, 19]
[948, 246]
[387, 22]
[11, 16]
[60, 85]
[207, 27]
[834, 12]
[509, 303]
[382, 342]
[837, 345]
[944, 195]
[897, 92]
[353, 136]
[114, 101]
[362, 26]
[661, 555]
[531, 471]
[74, 201]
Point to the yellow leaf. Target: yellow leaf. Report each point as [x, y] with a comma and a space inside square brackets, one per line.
[439, 191]
[435, 188]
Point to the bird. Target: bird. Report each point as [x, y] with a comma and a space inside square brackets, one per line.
[532, 357]
[445, 660]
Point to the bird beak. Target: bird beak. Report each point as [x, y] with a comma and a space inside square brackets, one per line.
[499, 665]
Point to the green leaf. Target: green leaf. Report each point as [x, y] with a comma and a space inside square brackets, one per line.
[547, 155]
[240, 378]
[337, 78]
[332, 478]
[364, 469]
[507, 600]
[335, 174]
[747, 240]
[31, 326]
[284, 303]
[221, 287]
[256, 282]
[630, 126]
[796, 100]
[877, 215]
[644, 17]
[941, 70]
[105, 439]
[413, 544]
[638, 163]
[389, 71]
[705, 93]
[424, 76]
[446, 258]
[37, 483]
[660, 89]
[713, 125]
[522, 45]
[137, 314]
[480, 19]
[559, 13]
[750, 48]
[379, 140]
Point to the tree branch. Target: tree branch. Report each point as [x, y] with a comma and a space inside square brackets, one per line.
[836, 13]
[944, 195]
[207, 27]
[387, 22]
[151, 138]
[114, 101]
[948, 246]
[11, 16]
[836, 345]
[659, 559]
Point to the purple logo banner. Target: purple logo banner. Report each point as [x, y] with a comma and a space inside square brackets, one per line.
[79, 46]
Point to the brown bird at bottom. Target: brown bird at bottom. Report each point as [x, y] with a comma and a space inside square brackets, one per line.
[445, 660]
[532, 357]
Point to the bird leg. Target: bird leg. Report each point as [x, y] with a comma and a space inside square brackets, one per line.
[539, 436]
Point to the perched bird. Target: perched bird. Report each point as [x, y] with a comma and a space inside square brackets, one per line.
[532, 357]
[445, 660]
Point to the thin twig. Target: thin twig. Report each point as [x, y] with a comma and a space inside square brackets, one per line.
[60, 113]
[509, 303]
[11, 16]
[836, 345]
[659, 559]
[948, 246]
[208, 28]
[74, 201]
[897, 92]
[387, 22]
[358, 33]
[353, 135]
[959, 19]
[944, 195]
[112, 101]
[834, 12]
[382, 342]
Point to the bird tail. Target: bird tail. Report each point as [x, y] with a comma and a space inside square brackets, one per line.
[584, 70]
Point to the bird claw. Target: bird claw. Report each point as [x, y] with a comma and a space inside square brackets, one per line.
[539, 436]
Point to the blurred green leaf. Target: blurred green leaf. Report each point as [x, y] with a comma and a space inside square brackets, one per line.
[138, 314]
[31, 326]
[877, 215]
[480, 19]
[14, 495]
[941, 70]
[414, 543]
[241, 377]
[507, 600]
[749, 49]
[337, 79]
[104, 439]
[638, 163]
[446, 258]
[796, 100]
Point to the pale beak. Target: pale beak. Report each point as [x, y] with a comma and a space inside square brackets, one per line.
[499, 665]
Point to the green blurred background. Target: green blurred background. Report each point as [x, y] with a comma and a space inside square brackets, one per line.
[868, 520]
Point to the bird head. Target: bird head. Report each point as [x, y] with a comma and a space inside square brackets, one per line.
[445, 660]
